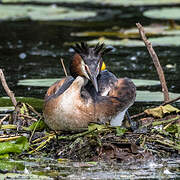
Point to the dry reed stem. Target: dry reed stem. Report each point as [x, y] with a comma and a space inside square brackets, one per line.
[155, 61]
[6, 88]
[64, 68]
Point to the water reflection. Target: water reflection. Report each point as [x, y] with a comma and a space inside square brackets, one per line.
[49, 168]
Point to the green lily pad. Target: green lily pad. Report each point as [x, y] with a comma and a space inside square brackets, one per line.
[42, 13]
[164, 13]
[37, 82]
[138, 2]
[49, 82]
[147, 96]
[124, 42]
[109, 2]
[151, 31]
[166, 41]
[5, 109]
[160, 41]
[13, 12]
[45, 1]
[58, 13]
[145, 82]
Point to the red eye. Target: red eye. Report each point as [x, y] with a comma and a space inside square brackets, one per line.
[86, 68]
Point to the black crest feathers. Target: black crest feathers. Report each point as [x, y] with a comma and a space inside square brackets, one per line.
[83, 48]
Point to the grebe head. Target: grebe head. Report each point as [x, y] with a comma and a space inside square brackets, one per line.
[88, 62]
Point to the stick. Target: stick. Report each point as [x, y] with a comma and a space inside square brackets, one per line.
[5, 117]
[170, 101]
[6, 88]
[62, 62]
[155, 61]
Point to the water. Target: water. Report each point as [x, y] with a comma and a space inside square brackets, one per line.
[50, 169]
[31, 50]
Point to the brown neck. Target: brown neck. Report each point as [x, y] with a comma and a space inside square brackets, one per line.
[75, 66]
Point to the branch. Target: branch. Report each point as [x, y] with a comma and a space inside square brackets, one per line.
[155, 61]
[6, 88]
[170, 101]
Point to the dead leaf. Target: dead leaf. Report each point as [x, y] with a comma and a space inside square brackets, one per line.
[161, 110]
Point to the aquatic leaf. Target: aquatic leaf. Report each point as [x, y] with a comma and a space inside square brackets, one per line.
[172, 128]
[138, 2]
[161, 110]
[145, 82]
[107, 2]
[124, 42]
[13, 12]
[165, 41]
[37, 82]
[42, 13]
[49, 82]
[163, 13]
[34, 102]
[169, 108]
[62, 160]
[151, 31]
[46, 1]
[178, 130]
[39, 125]
[23, 109]
[9, 165]
[148, 96]
[160, 41]
[94, 163]
[56, 13]
[93, 126]
[19, 145]
[6, 109]
[120, 131]
[106, 34]
[4, 156]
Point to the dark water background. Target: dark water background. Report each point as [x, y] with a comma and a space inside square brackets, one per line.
[31, 50]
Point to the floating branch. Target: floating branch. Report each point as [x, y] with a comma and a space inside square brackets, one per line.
[6, 88]
[155, 61]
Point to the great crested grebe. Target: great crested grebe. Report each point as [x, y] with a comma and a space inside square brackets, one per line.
[90, 94]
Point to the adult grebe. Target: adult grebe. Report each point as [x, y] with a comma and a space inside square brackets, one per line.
[90, 94]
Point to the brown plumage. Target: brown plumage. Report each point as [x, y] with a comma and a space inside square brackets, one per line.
[89, 94]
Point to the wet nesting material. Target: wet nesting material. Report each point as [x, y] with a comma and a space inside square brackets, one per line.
[157, 135]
